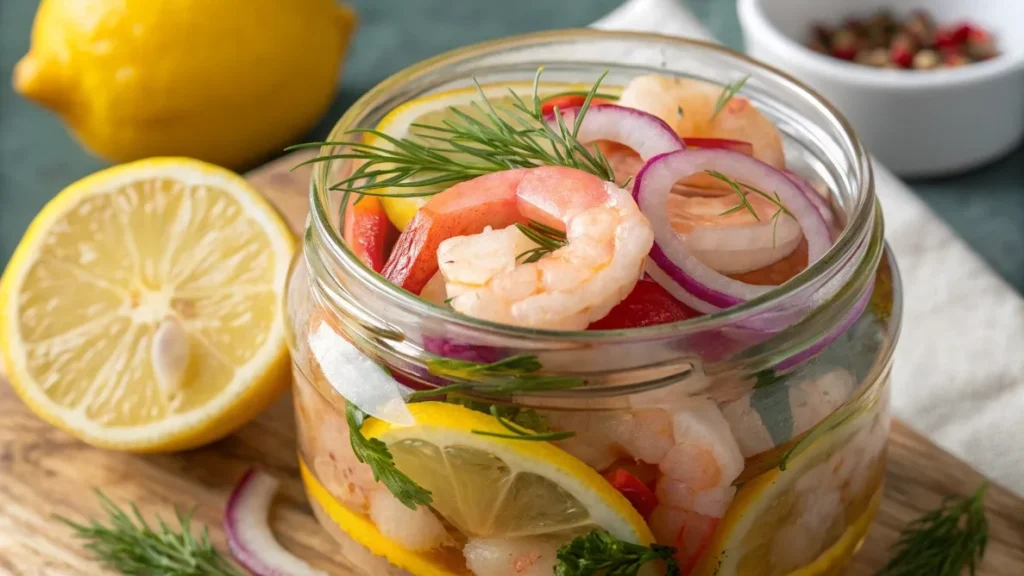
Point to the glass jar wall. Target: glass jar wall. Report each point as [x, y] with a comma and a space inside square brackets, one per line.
[751, 440]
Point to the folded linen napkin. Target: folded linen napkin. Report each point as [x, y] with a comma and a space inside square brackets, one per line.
[959, 368]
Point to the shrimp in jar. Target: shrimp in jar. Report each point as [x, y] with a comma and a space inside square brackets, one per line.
[688, 106]
[528, 556]
[607, 241]
[602, 438]
[694, 487]
[415, 529]
[324, 437]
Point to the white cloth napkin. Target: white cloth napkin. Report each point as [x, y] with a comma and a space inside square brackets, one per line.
[959, 368]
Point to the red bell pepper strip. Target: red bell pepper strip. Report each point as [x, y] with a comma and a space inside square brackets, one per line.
[368, 232]
[647, 305]
[722, 143]
[638, 494]
[693, 542]
[566, 101]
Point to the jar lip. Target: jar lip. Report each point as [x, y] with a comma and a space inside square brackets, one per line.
[858, 225]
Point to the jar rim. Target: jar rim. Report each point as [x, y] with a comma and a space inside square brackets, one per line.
[861, 221]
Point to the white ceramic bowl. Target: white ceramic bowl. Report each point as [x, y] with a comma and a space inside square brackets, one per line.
[918, 123]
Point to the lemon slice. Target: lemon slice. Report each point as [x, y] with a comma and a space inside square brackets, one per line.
[142, 309]
[766, 512]
[434, 110]
[487, 487]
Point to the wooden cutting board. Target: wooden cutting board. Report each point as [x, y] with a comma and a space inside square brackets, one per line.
[44, 472]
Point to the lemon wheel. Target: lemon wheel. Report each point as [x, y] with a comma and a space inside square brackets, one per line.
[805, 520]
[485, 487]
[142, 309]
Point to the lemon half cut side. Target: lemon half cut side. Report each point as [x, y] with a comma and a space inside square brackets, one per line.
[142, 309]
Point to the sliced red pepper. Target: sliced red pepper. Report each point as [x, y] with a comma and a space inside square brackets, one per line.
[722, 143]
[647, 305]
[566, 101]
[644, 472]
[368, 231]
[638, 494]
[693, 542]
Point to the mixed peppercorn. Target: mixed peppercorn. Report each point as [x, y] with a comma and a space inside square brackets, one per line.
[915, 42]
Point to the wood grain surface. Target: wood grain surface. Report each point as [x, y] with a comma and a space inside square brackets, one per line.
[44, 472]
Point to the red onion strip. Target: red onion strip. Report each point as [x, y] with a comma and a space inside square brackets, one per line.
[813, 196]
[646, 134]
[249, 537]
[670, 255]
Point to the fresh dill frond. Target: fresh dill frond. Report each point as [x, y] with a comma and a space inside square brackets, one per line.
[944, 541]
[507, 377]
[520, 432]
[547, 239]
[744, 203]
[130, 545]
[728, 91]
[465, 146]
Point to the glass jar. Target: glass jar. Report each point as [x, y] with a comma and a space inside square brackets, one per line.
[804, 405]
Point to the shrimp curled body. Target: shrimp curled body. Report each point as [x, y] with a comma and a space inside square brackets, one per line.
[607, 240]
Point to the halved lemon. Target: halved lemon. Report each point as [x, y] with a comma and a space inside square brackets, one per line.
[766, 506]
[434, 110]
[486, 487]
[142, 309]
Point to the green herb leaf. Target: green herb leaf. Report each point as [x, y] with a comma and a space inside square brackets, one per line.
[376, 455]
[944, 541]
[129, 545]
[520, 433]
[744, 203]
[510, 376]
[506, 377]
[738, 188]
[598, 552]
[547, 239]
[728, 92]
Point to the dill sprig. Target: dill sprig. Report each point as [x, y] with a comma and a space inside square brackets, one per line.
[728, 91]
[465, 146]
[507, 377]
[521, 433]
[744, 203]
[129, 545]
[376, 455]
[944, 541]
[547, 239]
[598, 552]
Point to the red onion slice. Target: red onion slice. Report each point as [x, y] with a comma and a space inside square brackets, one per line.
[732, 243]
[646, 134]
[670, 254]
[249, 537]
[813, 196]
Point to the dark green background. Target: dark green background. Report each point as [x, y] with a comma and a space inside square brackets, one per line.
[38, 158]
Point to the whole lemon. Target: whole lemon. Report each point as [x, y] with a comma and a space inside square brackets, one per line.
[226, 81]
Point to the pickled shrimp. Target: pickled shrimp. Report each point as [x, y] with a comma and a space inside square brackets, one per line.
[695, 486]
[415, 529]
[751, 242]
[607, 241]
[688, 106]
[602, 438]
[528, 556]
[329, 448]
